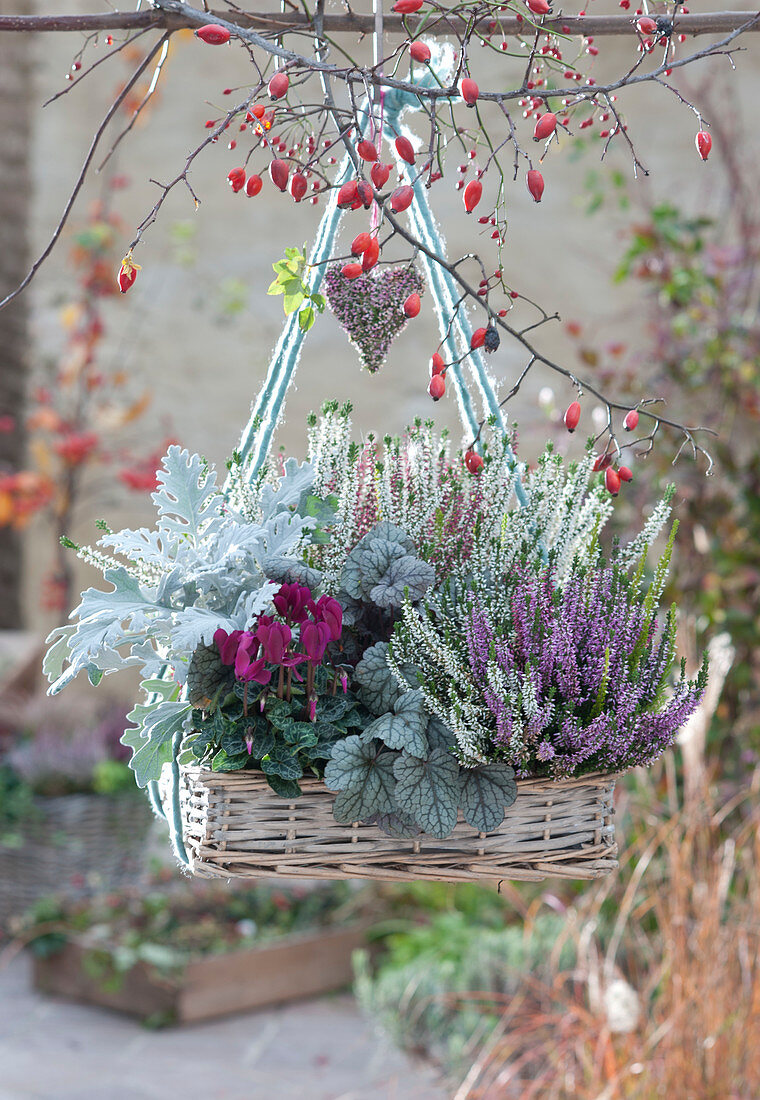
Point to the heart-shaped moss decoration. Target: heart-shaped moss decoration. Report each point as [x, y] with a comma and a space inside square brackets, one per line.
[371, 308]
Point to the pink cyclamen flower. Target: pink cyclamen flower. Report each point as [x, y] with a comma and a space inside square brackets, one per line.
[292, 602]
[315, 638]
[227, 644]
[275, 639]
[329, 611]
[248, 665]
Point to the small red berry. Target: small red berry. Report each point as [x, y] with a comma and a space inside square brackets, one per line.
[236, 179]
[602, 462]
[437, 365]
[298, 186]
[253, 186]
[647, 25]
[545, 126]
[473, 193]
[539, 7]
[360, 243]
[469, 91]
[611, 481]
[572, 416]
[535, 183]
[412, 305]
[127, 273]
[478, 338]
[278, 85]
[473, 461]
[366, 150]
[625, 474]
[405, 149]
[379, 174]
[631, 421]
[213, 35]
[419, 51]
[278, 173]
[407, 7]
[704, 144]
[437, 387]
[371, 254]
[257, 111]
[348, 194]
[351, 271]
[402, 198]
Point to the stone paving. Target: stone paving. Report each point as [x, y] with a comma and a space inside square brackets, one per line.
[52, 1050]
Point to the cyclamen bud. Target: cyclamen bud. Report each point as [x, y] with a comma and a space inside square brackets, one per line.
[379, 174]
[278, 85]
[419, 51]
[412, 305]
[535, 183]
[402, 198]
[572, 416]
[473, 193]
[437, 387]
[631, 421]
[367, 150]
[545, 126]
[611, 481]
[213, 35]
[704, 144]
[405, 149]
[469, 91]
[278, 173]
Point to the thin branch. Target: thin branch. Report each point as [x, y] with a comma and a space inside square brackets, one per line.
[85, 168]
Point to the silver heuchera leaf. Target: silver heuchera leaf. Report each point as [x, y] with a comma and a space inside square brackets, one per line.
[395, 824]
[364, 778]
[371, 556]
[428, 790]
[404, 727]
[403, 573]
[290, 571]
[378, 689]
[486, 792]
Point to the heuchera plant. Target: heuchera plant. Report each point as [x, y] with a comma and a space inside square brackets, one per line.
[387, 620]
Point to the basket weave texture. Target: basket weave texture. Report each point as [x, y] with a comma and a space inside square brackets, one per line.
[77, 845]
[234, 825]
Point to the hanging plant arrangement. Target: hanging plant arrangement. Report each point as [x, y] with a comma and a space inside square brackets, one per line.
[375, 662]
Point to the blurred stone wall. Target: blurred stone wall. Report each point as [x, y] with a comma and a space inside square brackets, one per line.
[203, 365]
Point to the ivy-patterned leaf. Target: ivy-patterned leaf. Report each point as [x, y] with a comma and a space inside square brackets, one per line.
[486, 791]
[281, 761]
[428, 790]
[285, 788]
[222, 762]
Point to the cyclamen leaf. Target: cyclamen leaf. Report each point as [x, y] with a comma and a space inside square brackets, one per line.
[404, 573]
[224, 762]
[486, 791]
[428, 790]
[405, 727]
[285, 788]
[281, 761]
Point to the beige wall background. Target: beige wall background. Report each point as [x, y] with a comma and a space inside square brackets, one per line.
[204, 368]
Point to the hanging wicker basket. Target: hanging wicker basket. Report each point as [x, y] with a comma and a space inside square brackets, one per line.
[235, 826]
